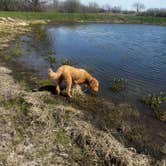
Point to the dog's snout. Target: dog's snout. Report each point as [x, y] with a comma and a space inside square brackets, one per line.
[96, 89]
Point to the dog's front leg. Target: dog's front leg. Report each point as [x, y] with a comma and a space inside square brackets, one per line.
[58, 89]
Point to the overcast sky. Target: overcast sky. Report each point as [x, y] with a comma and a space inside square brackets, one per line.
[127, 4]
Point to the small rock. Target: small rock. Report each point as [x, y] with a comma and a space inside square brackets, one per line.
[64, 155]
[132, 150]
[5, 70]
[10, 19]
[164, 149]
[2, 19]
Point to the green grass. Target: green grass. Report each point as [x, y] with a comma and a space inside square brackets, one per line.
[16, 103]
[119, 84]
[51, 59]
[154, 101]
[66, 62]
[16, 50]
[72, 17]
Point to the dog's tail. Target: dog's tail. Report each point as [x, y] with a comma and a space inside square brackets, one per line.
[54, 75]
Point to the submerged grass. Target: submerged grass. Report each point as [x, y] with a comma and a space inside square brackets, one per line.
[154, 101]
[119, 84]
[11, 53]
[39, 31]
[66, 62]
[51, 58]
[16, 51]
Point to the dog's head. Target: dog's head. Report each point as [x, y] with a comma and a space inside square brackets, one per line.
[94, 85]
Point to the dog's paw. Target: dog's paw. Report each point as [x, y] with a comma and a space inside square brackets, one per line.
[70, 96]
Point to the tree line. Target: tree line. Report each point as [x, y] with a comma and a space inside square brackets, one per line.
[70, 6]
[154, 12]
[75, 6]
[22, 5]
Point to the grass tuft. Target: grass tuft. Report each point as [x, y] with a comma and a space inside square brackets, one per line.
[66, 62]
[51, 59]
[39, 32]
[17, 50]
[154, 101]
[119, 84]
[17, 103]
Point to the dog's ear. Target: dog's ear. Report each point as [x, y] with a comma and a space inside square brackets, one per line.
[93, 80]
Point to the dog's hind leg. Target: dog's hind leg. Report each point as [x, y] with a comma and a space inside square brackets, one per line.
[58, 90]
[68, 85]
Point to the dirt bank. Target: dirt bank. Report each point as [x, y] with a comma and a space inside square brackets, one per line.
[37, 129]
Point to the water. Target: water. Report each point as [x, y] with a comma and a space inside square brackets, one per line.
[134, 52]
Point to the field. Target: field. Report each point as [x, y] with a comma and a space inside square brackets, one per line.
[85, 17]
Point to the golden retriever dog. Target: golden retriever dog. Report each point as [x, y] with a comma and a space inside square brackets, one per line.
[73, 75]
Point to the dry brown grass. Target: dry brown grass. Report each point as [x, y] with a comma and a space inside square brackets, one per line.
[36, 132]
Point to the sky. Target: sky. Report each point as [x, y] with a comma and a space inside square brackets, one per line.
[127, 4]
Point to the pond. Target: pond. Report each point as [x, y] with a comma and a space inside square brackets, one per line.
[133, 52]
[130, 51]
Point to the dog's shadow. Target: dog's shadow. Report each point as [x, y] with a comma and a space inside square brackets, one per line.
[52, 90]
[49, 88]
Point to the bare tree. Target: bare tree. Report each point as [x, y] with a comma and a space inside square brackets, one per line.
[93, 7]
[56, 4]
[138, 6]
[7, 5]
[156, 12]
[116, 9]
[22, 5]
[71, 6]
[107, 7]
[35, 4]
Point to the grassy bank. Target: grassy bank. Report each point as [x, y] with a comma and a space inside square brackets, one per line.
[88, 17]
[43, 129]
[38, 128]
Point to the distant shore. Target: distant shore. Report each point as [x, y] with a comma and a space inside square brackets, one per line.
[85, 17]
